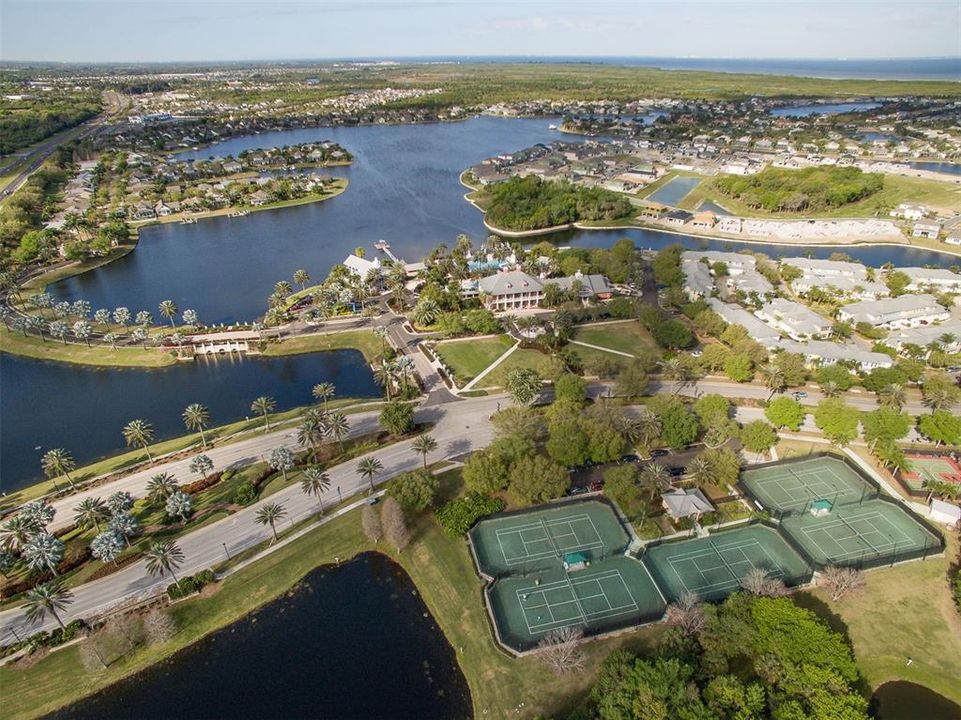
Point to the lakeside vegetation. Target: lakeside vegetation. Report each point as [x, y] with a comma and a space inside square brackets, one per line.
[16, 343]
[814, 188]
[530, 203]
[362, 340]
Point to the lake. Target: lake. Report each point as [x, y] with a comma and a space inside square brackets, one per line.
[354, 641]
[403, 188]
[939, 167]
[823, 109]
[83, 408]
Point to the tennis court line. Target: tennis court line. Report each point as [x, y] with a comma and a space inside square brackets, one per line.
[571, 586]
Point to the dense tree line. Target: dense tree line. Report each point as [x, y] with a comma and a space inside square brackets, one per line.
[32, 121]
[750, 657]
[814, 188]
[531, 204]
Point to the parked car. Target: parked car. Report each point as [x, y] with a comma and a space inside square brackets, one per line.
[596, 486]
[659, 452]
[630, 458]
[799, 395]
[577, 490]
[676, 471]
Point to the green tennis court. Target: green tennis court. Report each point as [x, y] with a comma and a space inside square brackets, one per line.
[537, 540]
[616, 593]
[873, 532]
[790, 487]
[712, 567]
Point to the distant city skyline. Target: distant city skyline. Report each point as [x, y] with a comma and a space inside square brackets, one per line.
[220, 31]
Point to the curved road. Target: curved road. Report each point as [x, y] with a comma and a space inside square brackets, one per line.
[459, 428]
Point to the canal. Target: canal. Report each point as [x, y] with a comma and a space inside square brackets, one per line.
[354, 641]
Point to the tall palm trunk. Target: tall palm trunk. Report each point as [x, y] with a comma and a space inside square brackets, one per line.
[146, 449]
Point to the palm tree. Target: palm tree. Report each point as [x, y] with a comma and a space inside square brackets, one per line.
[649, 427]
[893, 395]
[700, 470]
[270, 514]
[280, 458]
[322, 392]
[384, 375]
[830, 388]
[316, 482]
[82, 330]
[310, 432]
[47, 598]
[164, 557]
[197, 417]
[139, 432]
[91, 511]
[16, 532]
[773, 379]
[160, 487]
[56, 462]
[264, 405]
[655, 476]
[43, 551]
[424, 445]
[168, 309]
[302, 277]
[368, 467]
[338, 426]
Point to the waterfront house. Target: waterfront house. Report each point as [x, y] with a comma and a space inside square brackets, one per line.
[893, 313]
[933, 279]
[909, 212]
[793, 319]
[511, 290]
[678, 217]
[704, 220]
[815, 267]
[361, 266]
[698, 282]
[926, 229]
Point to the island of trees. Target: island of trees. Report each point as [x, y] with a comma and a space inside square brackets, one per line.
[533, 204]
[814, 188]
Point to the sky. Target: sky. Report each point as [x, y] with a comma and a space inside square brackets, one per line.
[218, 30]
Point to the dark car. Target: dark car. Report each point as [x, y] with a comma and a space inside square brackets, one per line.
[578, 490]
[631, 458]
[659, 452]
[676, 471]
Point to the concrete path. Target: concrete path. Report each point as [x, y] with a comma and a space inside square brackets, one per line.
[602, 349]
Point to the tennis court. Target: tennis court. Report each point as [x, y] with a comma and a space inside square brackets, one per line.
[616, 593]
[537, 540]
[790, 487]
[712, 567]
[871, 533]
[934, 468]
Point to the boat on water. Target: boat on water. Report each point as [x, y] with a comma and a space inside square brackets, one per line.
[188, 221]
[239, 213]
[552, 127]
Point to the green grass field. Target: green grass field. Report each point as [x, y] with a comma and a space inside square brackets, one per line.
[893, 619]
[520, 358]
[896, 190]
[364, 340]
[16, 343]
[440, 567]
[627, 336]
[469, 358]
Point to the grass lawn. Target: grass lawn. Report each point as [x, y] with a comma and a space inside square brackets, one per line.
[364, 340]
[906, 611]
[469, 358]
[520, 358]
[17, 343]
[897, 189]
[627, 336]
[444, 574]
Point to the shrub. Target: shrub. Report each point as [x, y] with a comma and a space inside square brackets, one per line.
[459, 516]
[190, 584]
[245, 494]
[203, 483]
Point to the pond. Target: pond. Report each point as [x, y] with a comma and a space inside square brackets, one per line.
[938, 167]
[902, 700]
[83, 408]
[355, 641]
[674, 191]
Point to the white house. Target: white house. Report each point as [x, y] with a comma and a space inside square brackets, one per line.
[940, 279]
[361, 266]
[815, 267]
[793, 319]
[926, 229]
[736, 315]
[698, 282]
[909, 212]
[892, 313]
[823, 352]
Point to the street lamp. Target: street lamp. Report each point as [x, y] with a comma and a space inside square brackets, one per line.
[339, 496]
[226, 552]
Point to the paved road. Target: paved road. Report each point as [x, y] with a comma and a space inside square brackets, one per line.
[459, 428]
[237, 454]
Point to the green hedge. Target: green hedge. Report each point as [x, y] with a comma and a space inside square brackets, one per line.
[459, 516]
